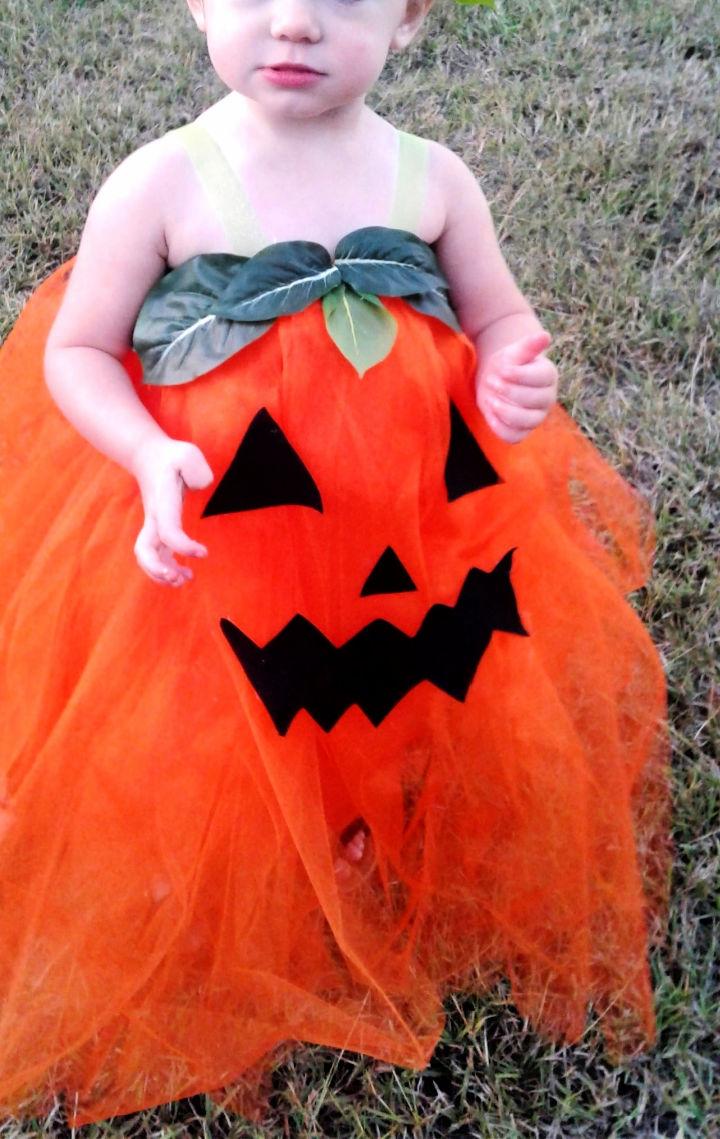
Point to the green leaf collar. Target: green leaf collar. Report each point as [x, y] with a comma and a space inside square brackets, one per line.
[207, 309]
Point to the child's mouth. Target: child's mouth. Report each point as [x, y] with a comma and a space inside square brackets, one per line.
[290, 75]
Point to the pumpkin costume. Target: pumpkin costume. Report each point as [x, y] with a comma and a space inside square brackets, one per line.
[403, 624]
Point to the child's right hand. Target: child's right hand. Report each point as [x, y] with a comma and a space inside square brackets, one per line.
[164, 467]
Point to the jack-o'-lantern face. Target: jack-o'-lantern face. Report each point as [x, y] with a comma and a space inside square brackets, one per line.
[301, 667]
[353, 558]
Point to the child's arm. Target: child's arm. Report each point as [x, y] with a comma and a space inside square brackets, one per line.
[516, 383]
[122, 253]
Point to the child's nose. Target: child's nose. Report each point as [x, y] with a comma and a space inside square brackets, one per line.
[295, 20]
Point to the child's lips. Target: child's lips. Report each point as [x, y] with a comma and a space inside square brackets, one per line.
[290, 74]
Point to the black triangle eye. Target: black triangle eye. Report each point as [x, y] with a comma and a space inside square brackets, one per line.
[266, 471]
[466, 467]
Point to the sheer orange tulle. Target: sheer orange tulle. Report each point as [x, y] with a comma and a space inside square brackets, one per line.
[171, 910]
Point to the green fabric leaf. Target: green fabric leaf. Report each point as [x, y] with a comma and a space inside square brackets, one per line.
[387, 262]
[178, 335]
[360, 326]
[435, 304]
[207, 309]
[279, 280]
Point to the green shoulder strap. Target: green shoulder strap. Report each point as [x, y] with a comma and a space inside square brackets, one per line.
[230, 202]
[411, 185]
[223, 189]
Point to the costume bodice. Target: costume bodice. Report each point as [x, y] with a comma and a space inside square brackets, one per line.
[229, 199]
[214, 304]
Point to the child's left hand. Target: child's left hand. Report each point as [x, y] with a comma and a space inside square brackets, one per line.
[517, 386]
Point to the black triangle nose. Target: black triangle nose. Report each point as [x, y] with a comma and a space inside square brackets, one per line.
[388, 575]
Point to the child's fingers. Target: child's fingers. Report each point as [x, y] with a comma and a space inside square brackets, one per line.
[521, 396]
[501, 429]
[194, 470]
[540, 373]
[174, 537]
[156, 560]
[164, 471]
[507, 434]
[167, 515]
[518, 418]
[172, 573]
[523, 351]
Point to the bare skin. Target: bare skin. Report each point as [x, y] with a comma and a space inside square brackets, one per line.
[354, 841]
[371, 152]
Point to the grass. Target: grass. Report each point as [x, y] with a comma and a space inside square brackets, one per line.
[593, 127]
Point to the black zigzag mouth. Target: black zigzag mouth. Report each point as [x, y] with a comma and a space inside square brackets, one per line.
[300, 668]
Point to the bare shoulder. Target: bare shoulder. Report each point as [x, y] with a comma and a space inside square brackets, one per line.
[143, 187]
[482, 287]
[455, 184]
[123, 249]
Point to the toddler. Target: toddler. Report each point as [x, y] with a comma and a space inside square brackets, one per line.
[402, 732]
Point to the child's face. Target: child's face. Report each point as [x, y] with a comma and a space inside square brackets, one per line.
[345, 42]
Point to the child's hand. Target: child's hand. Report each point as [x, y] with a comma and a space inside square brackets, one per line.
[517, 386]
[163, 468]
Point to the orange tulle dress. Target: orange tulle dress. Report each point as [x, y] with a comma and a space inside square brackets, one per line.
[403, 626]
